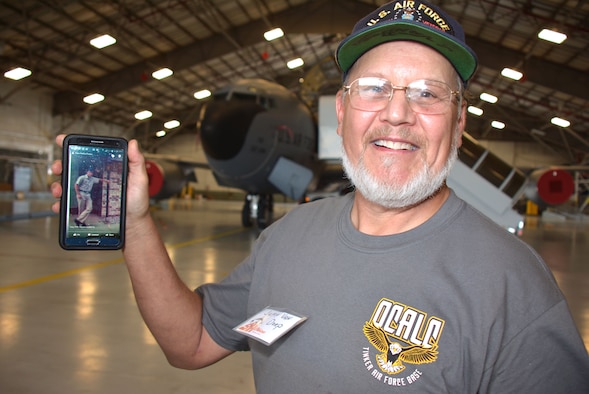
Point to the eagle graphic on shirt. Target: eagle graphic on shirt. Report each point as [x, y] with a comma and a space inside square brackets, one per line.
[393, 354]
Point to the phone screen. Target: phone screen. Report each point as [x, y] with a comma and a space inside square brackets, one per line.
[94, 185]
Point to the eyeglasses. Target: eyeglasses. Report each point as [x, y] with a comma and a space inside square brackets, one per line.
[424, 96]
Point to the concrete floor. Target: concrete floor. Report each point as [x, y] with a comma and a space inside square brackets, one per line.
[68, 320]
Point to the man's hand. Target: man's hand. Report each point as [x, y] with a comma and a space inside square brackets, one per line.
[137, 186]
[137, 183]
[57, 169]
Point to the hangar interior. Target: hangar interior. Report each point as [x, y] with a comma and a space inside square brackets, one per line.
[207, 44]
[69, 320]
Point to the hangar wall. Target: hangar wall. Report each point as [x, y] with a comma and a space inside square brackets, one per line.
[25, 132]
[28, 129]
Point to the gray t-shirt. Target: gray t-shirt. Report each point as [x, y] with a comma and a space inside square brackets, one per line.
[456, 305]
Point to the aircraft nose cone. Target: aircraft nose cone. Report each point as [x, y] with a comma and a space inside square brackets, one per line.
[224, 126]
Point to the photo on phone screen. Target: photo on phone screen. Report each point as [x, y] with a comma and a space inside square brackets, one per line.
[94, 189]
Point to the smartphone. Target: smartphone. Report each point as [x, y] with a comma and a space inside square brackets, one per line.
[94, 182]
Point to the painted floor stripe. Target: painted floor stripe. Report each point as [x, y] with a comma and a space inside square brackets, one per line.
[103, 264]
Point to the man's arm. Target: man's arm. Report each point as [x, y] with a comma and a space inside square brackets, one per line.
[170, 309]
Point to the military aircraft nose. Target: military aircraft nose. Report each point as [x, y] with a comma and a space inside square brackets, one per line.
[224, 127]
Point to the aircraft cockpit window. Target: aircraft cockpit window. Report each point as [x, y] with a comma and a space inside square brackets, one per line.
[267, 102]
[220, 97]
[243, 97]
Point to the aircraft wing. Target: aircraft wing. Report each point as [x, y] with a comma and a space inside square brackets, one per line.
[168, 174]
[182, 161]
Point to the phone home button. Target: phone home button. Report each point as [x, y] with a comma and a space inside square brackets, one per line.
[93, 242]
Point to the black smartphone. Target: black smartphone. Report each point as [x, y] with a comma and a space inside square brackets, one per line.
[94, 182]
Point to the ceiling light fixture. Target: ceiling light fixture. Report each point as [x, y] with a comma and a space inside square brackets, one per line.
[171, 124]
[560, 122]
[93, 98]
[202, 94]
[162, 73]
[143, 115]
[489, 98]
[17, 73]
[475, 110]
[295, 63]
[552, 36]
[498, 125]
[160, 134]
[103, 41]
[273, 34]
[512, 74]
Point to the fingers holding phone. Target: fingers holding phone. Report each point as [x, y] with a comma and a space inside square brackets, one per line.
[56, 168]
[137, 184]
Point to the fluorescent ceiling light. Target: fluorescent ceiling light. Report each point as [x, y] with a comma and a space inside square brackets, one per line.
[162, 73]
[512, 74]
[560, 122]
[294, 63]
[93, 98]
[488, 98]
[202, 94]
[160, 133]
[552, 36]
[498, 125]
[171, 124]
[17, 73]
[102, 41]
[273, 34]
[475, 110]
[143, 115]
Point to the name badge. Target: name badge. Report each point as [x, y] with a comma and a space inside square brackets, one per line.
[269, 324]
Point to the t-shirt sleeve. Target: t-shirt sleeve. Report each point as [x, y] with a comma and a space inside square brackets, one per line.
[225, 306]
[546, 357]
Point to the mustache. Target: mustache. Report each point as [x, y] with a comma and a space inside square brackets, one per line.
[385, 131]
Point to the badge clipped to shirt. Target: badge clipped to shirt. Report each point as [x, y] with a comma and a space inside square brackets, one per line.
[269, 324]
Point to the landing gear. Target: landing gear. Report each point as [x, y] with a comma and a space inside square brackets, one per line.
[259, 207]
[246, 213]
[265, 210]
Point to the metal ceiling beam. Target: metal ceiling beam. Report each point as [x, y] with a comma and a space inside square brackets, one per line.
[551, 75]
[325, 17]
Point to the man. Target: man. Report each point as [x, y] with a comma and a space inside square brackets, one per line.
[83, 188]
[404, 286]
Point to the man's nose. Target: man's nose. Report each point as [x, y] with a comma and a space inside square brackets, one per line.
[398, 109]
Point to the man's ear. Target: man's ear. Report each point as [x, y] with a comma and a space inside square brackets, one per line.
[339, 109]
[460, 125]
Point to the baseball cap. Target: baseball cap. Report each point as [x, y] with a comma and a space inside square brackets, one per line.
[406, 20]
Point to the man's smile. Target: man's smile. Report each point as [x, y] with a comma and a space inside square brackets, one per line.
[395, 145]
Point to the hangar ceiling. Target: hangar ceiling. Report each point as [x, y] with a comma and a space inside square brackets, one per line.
[210, 43]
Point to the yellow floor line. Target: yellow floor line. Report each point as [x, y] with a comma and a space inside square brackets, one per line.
[103, 264]
[59, 275]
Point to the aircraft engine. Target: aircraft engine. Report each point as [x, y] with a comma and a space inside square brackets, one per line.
[550, 187]
[165, 178]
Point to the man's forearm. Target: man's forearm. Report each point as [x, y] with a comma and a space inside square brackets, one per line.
[171, 310]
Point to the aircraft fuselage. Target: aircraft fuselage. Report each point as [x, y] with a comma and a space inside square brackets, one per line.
[248, 127]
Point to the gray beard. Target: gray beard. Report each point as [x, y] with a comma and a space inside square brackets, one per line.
[392, 196]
